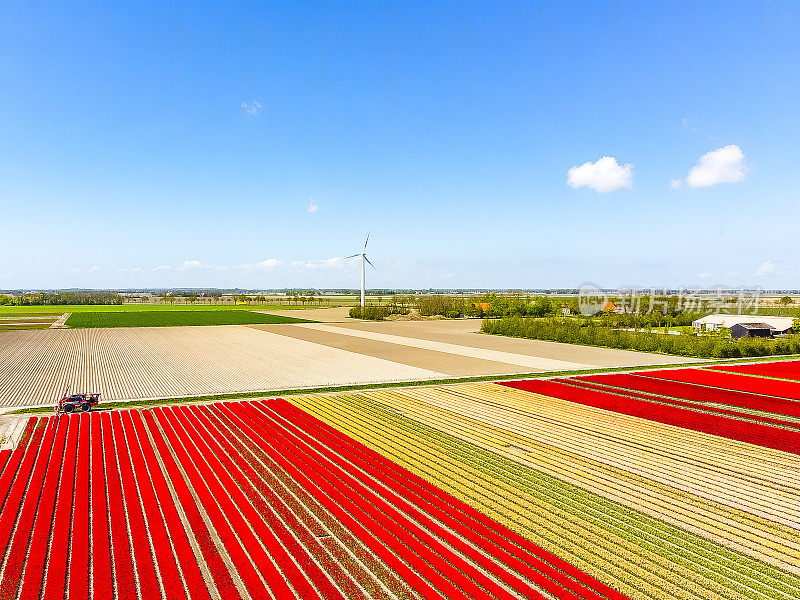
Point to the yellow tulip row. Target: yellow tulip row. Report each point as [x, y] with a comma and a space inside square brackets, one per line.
[637, 571]
[584, 466]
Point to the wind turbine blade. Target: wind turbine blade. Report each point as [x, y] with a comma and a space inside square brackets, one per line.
[370, 264]
[367, 240]
[351, 256]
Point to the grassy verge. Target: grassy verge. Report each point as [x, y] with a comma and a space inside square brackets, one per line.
[84, 320]
[124, 404]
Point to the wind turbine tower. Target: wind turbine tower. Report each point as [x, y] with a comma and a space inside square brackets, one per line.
[364, 261]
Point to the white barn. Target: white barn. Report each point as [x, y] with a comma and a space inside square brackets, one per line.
[714, 322]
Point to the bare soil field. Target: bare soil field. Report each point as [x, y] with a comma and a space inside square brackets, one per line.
[149, 362]
[456, 347]
[154, 362]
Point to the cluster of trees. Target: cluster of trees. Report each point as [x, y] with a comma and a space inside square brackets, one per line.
[60, 298]
[379, 313]
[592, 333]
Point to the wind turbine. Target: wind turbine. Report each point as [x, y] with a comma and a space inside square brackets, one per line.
[364, 261]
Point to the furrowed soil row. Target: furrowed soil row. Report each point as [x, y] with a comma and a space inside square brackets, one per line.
[36, 367]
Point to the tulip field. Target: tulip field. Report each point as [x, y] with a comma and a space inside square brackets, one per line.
[663, 484]
[252, 500]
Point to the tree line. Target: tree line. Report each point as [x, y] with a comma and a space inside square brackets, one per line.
[597, 333]
[59, 298]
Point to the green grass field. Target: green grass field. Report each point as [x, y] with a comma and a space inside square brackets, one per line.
[172, 318]
[95, 308]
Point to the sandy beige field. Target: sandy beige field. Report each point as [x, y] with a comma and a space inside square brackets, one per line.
[37, 366]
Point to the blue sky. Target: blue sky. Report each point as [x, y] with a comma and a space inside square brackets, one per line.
[248, 144]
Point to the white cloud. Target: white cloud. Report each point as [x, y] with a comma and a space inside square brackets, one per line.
[675, 183]
[191, 264]
[731, 273]
[313, 206]
[724, 165]
[93, 269]
[767, 267]
[704, 275]
[161, 268]
[604, 176]
[337, 262]
[269, 264]
[253, 109]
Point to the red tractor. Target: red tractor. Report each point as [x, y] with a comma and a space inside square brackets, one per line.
[77, 402]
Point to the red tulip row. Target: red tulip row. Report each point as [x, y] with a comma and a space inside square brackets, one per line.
[251, 498]
[655, 409]
[700, 393]
[4, 454]
[731, 381]
[782, 370]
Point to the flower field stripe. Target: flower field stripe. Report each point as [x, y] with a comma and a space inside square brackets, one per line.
[56, 579]
[471, 423]
[163, 499]
[471, 426]
[219, 572]
[208, 499]
[286, 567]
[445, 477]
[24, 494]
[18, 457]
[698, 393]
[337, 507]
[232, 502]
[18, 466]
[390, 533]
[409, 509]
[162, 547]
[604, 386]
[393, 477]
[487, 490]
[430, 552]
[102, 574]
[779, 439]
[389, 502]
[4, 456]
[79, 553]
[526, 412]
[731, 381]
[367, 568]
[124, 576]
[303, 545]
[780, 370]
[144, 560]
[404, 403]
[40, 536]
[438, 504]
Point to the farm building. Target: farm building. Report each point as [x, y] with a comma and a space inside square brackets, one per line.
[751, 330]
[779, 325]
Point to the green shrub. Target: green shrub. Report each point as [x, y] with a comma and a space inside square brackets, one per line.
[590, 333]
[373, 313]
